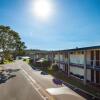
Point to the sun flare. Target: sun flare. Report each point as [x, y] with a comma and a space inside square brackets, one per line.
[42, 9]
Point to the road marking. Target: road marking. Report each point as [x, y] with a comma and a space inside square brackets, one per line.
[60, 90]
[34, 84]
[29, 76]
[64, 90]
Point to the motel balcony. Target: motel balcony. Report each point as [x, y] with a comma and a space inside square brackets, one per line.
[62, 61]
[93, 64]
[90, 64]
[56, 60]
[77, 65]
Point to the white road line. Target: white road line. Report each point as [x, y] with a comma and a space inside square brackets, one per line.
[32, 82]
[29, 76]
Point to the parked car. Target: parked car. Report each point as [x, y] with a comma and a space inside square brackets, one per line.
[44, 73]
[57, 81]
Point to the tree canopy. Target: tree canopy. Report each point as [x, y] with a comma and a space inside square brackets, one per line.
[10, 41]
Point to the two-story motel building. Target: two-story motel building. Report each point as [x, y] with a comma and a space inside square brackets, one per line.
[83, 63]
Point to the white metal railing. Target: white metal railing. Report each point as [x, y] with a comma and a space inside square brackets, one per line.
[90, 63]
[93, 63]
[61, 60]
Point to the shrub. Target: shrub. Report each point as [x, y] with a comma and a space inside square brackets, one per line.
[54, 67]
[31, 61]
[24, 59]
[46, 63]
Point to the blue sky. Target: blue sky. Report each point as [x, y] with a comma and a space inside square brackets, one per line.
[73, 23]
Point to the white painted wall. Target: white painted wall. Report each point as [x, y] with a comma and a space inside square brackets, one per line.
[77, 70]
[61, 57]
[89, 74]
[77, 58]
[88, 57]
[46, 56]
[56, 57]
[66, 59]
[37, 56]
[62, 67]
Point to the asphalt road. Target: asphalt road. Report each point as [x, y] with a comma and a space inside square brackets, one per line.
[29, 84]
[17, 87]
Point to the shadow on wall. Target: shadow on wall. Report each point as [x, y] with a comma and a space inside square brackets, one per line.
[7, 74]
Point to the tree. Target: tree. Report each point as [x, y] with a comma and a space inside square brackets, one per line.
[10, 41]
[20, 46]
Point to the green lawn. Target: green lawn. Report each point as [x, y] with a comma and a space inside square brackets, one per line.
[7, 62]
[26, 60]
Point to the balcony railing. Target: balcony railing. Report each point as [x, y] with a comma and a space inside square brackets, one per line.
[61, 61]
[93, 63]
[89, 63]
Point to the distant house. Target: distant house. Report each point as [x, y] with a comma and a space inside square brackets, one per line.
[22, 57]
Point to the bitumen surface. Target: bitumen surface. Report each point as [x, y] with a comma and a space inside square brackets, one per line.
[20, 82]
[14, 86]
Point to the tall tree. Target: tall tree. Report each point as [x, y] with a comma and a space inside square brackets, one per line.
[10, 41]
[20, 46]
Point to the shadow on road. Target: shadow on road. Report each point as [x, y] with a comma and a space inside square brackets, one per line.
[7, 74]
[57, 81]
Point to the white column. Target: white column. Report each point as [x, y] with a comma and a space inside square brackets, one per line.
[34, 57]
[85, 72]
[68, 64]
[59, 59]
[64, 61]
[94, 63]
[52, 58]
[48, 56]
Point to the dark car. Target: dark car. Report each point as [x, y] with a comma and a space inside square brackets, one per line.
[58, 81]
[44, 73]
[34, 68]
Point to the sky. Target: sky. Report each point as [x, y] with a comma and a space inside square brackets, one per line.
[72, 23]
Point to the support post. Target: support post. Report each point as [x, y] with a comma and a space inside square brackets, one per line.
[52, 57]
[59, 58]
[64, 60]
[68, 64]
[94, 64]
[85, 70]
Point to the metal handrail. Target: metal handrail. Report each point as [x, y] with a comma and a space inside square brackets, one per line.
[93, 63]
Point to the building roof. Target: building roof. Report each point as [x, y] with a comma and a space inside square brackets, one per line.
[79, 49]
[85, 48]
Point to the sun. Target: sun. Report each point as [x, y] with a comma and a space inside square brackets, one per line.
[42, 9]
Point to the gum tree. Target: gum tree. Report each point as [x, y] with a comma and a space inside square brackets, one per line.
[10, 41]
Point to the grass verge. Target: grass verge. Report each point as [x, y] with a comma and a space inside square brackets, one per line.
[7, 62]
[26, 60]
